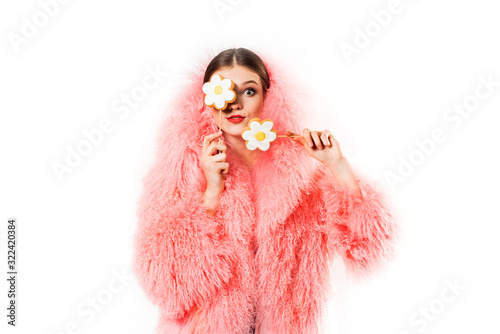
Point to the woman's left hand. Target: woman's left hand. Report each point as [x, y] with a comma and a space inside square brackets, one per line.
[320, 145]
[324, 147]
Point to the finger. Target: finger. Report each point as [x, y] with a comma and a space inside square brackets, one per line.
[225, 166]
[221, 167]
[316, 139]
[307, 137]
[325, 138]
[208, 151]
[215, 146]
[219, 146]
[208, 138]
[221, 157]
[333, 140]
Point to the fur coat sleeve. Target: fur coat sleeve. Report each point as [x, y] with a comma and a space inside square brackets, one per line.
[182, 257]
[362, 232]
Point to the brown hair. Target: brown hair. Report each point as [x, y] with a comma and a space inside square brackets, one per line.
[242, 57]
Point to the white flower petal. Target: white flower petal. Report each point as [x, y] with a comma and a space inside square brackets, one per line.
[228, 95]
[226, 84]
[216, 80]
[247, 135]
[209, 99]
[252, 144]
[255, 126]
[219, 102]
[267, 126]
[270, 136]
[263, 145]
[207, 88]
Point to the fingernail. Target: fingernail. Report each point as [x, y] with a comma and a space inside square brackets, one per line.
[310, 144]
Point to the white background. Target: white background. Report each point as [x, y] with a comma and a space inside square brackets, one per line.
[75, 235]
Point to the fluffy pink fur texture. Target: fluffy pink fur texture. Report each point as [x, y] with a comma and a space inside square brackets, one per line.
[266, 251]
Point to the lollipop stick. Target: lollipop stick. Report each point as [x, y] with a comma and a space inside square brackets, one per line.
[220, 123]
[290, 136]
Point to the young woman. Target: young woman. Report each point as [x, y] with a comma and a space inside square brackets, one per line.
[232, 240]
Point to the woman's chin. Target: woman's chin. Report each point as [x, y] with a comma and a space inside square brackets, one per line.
[232, 133]
[234, 129]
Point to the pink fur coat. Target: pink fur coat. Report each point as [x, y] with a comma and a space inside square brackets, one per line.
[263, 259]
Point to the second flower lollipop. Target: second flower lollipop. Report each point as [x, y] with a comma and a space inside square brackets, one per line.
[259, 134]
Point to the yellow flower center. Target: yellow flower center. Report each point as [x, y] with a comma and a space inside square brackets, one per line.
[260, 136]
[218, 90]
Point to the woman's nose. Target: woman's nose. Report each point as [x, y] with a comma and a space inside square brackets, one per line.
[236, 105]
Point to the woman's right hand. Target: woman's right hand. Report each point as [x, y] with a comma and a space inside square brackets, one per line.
[214, 165]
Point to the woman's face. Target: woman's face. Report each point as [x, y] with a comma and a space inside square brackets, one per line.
[249, 100]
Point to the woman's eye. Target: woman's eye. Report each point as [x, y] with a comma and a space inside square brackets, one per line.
[249, 92]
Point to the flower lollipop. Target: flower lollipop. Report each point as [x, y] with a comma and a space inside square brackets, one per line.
[259, 134]
[219, 92]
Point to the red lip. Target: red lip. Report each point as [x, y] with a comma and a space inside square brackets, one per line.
[235, 118]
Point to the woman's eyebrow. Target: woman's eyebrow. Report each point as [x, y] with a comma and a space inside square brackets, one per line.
[249, 81]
